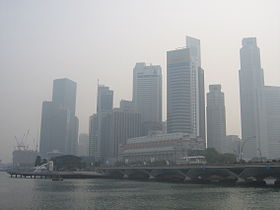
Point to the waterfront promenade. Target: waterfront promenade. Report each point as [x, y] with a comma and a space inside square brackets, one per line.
[256, 173]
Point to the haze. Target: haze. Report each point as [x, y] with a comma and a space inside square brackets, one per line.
[89, 40]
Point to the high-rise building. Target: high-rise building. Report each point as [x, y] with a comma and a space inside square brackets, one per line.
[125, 124]
[270, 147]
[83, 148]
[53, 135]
[216, 118]
[100, 125]
[126, 105]
[59, 125]
[251, 82]
[93, 130]
[64, 94]
[147, 95]
[104, 99]
[185, 90]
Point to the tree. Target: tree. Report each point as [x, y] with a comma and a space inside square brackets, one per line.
[212, 156]
[38, 160]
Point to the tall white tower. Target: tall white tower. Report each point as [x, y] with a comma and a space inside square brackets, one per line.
[185, 90]
[251, 85]
[147, 95]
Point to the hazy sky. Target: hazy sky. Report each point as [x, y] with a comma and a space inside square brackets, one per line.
[86, 40]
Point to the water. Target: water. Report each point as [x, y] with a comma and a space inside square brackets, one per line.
[125, 194]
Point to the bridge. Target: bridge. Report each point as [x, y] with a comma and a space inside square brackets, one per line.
[235, 173]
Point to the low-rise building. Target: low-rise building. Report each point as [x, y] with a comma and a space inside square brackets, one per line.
[171, 147]
[24, 158]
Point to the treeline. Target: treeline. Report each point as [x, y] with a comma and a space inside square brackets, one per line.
[212, 156]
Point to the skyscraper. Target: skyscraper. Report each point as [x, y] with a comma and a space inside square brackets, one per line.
[185, 90]
[59, 125]
[93, 130]
[270, 144]
[147, 95]
[104, 99]
[100, 136]
[83, 148]
[126, 124]
[53, 134]
[216, 118]
[251, 82]
[64, 94]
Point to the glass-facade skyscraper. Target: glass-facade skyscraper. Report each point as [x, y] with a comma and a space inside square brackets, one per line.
[185, 90]
[216, 118]
[251, 82]
[147, 95]
[59, 125]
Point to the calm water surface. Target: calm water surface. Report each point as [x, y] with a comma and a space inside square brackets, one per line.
[123, 194]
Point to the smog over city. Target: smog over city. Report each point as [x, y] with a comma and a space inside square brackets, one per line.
[97, 80]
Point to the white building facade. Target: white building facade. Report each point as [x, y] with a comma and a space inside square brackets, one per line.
[251, 85]
[147, 94]
[271, 100]
[185, 90]
[158, 147]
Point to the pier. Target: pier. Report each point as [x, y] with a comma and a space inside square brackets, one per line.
[54, 174]
[239, 174]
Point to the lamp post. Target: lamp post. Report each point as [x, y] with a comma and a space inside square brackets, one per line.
[260, 152]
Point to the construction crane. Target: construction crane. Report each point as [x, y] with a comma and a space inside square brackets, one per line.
[20, 143]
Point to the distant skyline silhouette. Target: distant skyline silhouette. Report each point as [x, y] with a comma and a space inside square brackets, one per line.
[89, 40]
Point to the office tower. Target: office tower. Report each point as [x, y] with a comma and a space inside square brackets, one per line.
[93, 128]
[126, 105]
[64, 94]
[147, 95]
[270, 148]
[100, 135]
[73, 135]
[185, 90]
[251, 84]
[83, 148]
[59, 125]
[216, 118]
[201, 104]
[104, 99]
[53, 135]
[125, 124]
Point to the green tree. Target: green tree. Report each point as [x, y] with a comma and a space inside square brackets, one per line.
[38, 161]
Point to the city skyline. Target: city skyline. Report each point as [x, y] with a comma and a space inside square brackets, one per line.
[30, 64]
[61, 102]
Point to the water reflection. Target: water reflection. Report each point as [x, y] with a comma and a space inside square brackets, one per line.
[123, 194]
